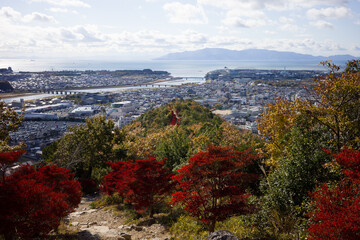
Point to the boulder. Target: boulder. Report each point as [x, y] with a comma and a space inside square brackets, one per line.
[221, 235]
[125, 236]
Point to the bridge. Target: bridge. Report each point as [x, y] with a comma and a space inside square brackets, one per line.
[197, 78]
[55, 92]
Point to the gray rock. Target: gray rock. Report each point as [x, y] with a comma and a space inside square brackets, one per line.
[221, 235]
[99, 229]
[136, 228]
[125, 227]
[91, 211]
[125, 236]
[112, 233]
[76, 214]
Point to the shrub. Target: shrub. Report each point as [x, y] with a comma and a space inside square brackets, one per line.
[212, 187]
[33, 201]
[143, 183]
[335, 210]
[187, 227]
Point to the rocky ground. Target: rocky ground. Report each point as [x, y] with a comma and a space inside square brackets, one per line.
[105, 224]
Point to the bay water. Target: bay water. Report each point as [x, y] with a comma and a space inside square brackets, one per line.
[176, 68]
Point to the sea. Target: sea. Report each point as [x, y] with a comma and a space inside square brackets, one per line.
[177, 68]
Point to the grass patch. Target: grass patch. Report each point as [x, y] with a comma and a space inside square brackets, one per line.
[106, 201]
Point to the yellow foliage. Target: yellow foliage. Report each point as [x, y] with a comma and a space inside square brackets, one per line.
[276, 122]
[334, 105]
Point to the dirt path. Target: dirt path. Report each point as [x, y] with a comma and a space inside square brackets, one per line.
[105, 224]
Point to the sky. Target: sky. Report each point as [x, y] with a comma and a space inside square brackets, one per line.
[145, 29]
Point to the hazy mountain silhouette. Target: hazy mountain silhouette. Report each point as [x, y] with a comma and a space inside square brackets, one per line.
[249, 55]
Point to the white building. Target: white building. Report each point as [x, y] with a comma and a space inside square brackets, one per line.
[83, 111]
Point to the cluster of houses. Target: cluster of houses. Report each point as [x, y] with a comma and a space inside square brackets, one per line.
[43, 81]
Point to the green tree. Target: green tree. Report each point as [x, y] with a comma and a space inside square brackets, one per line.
[86, 148]
[175, 147]
[9, 122]
[286, 189]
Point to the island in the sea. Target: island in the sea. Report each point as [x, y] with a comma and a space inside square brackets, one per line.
[249, 55]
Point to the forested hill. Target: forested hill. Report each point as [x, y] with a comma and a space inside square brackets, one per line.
[178, 130]
[179, 112]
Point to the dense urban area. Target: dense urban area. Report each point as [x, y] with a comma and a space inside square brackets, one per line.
[239, 96]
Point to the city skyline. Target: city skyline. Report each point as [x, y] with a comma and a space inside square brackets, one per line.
[146, 29]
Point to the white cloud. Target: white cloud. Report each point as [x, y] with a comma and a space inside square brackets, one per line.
[68, 35]
[89, 33]
[9, 14]
[62, 10]
[185, 13]
[254, 13]
[271, 4]
[307, 46]
[323, 24]
[289, 25]
[59, 10]
[244, 22]
[245, 18]
[286, 20]
[64, 3]
[334, 13]
[40, 17]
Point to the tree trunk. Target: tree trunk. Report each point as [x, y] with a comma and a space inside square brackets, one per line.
[9, 236]
[151, 211]
[211, 226]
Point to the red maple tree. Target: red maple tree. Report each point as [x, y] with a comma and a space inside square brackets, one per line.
[116, 180]
[143, 183]
[7, 159]
[335, 210]
[33, 201]
[212, 187]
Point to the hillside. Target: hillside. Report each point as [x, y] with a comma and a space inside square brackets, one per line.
[188, 113]
[249, 55]
[157, 133]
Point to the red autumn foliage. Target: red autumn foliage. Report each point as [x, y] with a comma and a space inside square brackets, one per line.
[33, 201]
[10, 157]
[212, 187]
[143, 183]
[350, 162]
[7, 159]
[336, 211]
[115, 181]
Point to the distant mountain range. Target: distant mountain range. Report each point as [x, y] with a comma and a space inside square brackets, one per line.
[249, 55]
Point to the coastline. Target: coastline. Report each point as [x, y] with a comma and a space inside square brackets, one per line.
[5, 96]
